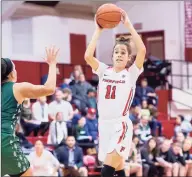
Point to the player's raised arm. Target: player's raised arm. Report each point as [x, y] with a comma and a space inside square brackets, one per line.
[89, 53]
[27, 90]
[141, 50]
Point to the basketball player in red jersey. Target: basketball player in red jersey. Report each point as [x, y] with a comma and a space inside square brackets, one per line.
[116, 90]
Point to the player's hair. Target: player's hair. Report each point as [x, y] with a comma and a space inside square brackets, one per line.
[126, 41]
[6, 68]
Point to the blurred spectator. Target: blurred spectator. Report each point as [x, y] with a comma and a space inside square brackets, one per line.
[180, 137]
[187, 145]
[186, 126]
[166, 159]
[91, 93]
[144, 131]
[71, 156]
[40, 114]
[133, 164]
[135, 126]
[22, 139]
[82, 134]
[79, 93]
[179, 120]
[92, 123]
[145, 92]
[135, 113]
[179, 159]
[57, 130]
[76, 72]
[65, 84]
[148, 155]
[67, 94]
[28, 124]
[154, 123]
[60, 105]
[43, 162]
[144, 104]
[182, 125]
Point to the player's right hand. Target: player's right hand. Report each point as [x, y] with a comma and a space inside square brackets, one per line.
[51, 55]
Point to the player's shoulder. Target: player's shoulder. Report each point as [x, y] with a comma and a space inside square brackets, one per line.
[108, 68]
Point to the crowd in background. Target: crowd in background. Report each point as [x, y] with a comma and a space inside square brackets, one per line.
[70, 120]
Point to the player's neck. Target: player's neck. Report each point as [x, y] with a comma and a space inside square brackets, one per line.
[118, 69]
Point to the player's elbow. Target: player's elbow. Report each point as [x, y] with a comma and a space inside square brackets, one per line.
[50, 90]
[87, 57]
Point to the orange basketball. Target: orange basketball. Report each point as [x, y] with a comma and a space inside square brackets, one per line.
[108, 16]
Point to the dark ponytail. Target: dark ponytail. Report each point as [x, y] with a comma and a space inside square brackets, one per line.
[6, 68]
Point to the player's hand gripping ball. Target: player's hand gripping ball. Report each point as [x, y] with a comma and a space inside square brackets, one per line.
[108, 16]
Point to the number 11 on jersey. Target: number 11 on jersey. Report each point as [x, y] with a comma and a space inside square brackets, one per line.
[110, 92]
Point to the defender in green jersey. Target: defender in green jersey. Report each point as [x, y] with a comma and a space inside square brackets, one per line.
[14, 162]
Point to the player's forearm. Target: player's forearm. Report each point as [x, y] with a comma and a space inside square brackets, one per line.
[51, 80]
[92, 45]
[136, 38]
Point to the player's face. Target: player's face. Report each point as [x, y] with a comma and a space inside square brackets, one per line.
[120, 56]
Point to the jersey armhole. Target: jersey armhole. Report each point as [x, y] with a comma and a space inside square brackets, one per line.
[16, 95]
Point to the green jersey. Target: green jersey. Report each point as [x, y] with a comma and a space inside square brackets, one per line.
[9, 109]
[14, 161]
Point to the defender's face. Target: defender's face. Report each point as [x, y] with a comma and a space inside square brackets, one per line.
[120, 56]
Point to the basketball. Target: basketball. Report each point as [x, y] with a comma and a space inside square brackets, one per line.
[108, 16]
